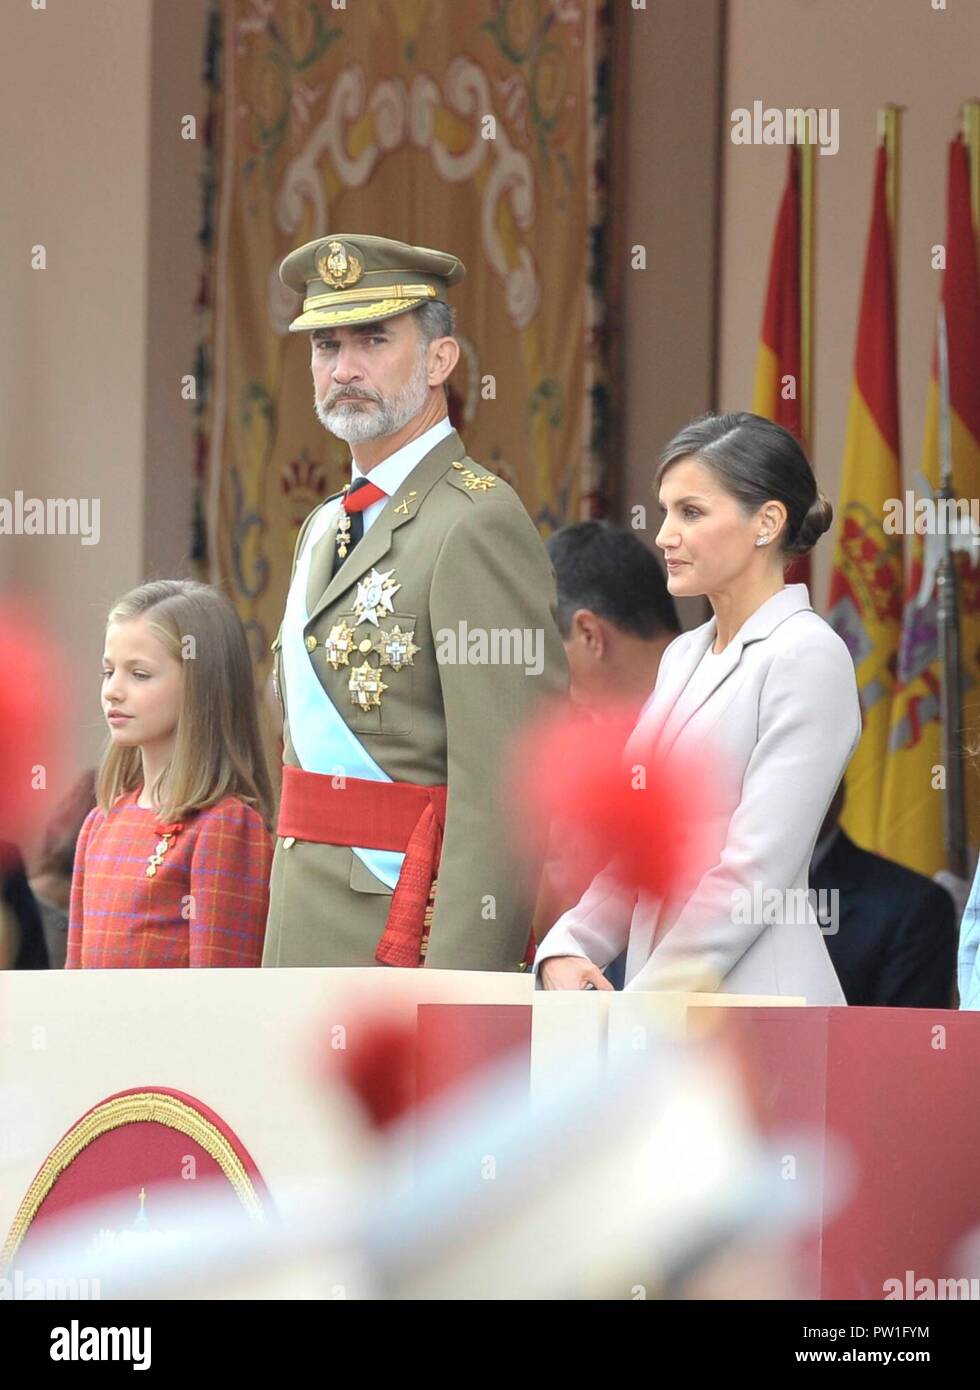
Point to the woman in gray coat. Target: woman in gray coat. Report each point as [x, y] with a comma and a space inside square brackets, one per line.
[769, 686]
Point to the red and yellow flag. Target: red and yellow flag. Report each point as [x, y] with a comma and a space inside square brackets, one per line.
[865, 603]
[778, 390]
[911, 826]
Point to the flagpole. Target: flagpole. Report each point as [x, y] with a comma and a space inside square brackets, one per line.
[890, 135]
[807, 150]
[970, 124]
[947, 595]
[948, 623]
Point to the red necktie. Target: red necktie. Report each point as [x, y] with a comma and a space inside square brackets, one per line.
[361, 493]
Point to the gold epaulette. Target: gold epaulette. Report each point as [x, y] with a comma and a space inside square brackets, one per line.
[470, 481]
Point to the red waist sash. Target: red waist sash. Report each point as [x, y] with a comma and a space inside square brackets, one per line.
[400, 816]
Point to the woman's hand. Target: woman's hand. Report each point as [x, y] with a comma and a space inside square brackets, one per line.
[571, 972]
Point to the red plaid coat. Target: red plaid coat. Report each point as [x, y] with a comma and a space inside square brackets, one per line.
[205, 906]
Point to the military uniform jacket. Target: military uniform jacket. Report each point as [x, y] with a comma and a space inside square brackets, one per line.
[468, 584]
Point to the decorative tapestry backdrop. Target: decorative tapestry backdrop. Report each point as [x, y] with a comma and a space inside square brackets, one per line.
[477, 128]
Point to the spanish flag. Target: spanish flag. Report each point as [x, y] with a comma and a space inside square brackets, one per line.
[911, 826]
[867, 581]
[778, 390]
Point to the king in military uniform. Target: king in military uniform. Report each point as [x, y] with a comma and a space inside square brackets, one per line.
[418, 637]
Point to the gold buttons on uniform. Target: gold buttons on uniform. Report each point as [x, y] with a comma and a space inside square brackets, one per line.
[289, 841]
[311, 643]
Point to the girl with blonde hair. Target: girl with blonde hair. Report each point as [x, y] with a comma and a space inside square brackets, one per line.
[172, 865]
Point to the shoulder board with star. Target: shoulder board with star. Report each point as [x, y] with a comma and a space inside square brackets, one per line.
[467, 477]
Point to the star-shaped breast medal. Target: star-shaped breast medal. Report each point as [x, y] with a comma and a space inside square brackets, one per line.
[366, 686]
[339, 645]
[374, 595]
[397, 648]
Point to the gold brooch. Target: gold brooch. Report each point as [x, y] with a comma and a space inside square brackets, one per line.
[167, 834]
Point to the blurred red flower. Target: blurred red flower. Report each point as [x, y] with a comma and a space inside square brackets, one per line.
[31, 723]
[571, 773]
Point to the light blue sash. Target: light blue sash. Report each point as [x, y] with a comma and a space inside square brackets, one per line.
[322, 739]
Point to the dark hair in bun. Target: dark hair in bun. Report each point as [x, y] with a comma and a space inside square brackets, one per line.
[757, 461]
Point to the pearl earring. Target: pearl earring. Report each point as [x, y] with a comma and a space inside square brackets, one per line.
[762, 540]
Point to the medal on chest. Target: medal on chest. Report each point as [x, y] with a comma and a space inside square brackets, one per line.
[339, 645]
[167, 834]
[395, 649]
[342, 537]
[366, 686]
[374, 596]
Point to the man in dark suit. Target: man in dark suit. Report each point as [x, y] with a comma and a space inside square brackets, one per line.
[896, 937]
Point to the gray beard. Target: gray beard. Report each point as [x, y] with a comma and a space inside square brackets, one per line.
[357, 423]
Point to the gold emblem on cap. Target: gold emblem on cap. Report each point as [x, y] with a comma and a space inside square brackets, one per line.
[339, 267]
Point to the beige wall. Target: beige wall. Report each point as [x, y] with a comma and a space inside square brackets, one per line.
[855, 56]
[71, 353]
[89, 400]
[671, 176]
[173, 274]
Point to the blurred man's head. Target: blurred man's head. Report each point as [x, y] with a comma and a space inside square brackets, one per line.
[614, 612]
